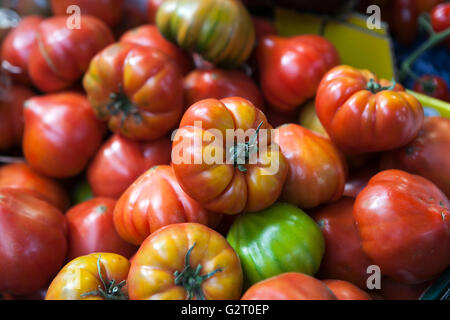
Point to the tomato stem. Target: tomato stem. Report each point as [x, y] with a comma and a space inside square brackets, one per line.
[241, 152]
[110, 290]
[375, 87]
[121, 104]
[190, 278]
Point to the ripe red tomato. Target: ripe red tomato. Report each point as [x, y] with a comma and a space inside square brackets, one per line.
[343, 258]
[404, 224]
[149, 36]
[344, 290]
[17, 47]
[291, 68]
[12, 99]
[317, 171]
[20, 175]
[56, 62]
[61, 134]
[440, 19]
[289, 286]
[219, 84]
[436, 87]
[109, 11]
[155, 200]
[137, 89]
[228, 176]
[32, 241]
[404, 21]
[362, 114]
[153, 6]
[91, 229]
[120, 161]
[427, 155]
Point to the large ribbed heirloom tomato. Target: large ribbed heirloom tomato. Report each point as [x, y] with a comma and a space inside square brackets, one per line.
[185, 261]
[362, 114]
[137, 89]
[224, 156]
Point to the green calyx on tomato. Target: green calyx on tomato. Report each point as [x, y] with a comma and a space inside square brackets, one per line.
[241, 152]
[375, 87]
[110, 290]
[279, 239]
[190, 278]
[120, 104]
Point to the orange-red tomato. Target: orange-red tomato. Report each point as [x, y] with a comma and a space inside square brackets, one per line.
[20, 175]
[153, 201]
[137, 89]
[185, 261]
[56, 62]
[12, 99]
[219, 84]
[427, 155]
[317, 170]
[120, 161]
[229, 175]
[291, 68]
[344, 290]
[404, 224]
[17, 47]
[149, 36]
[33, 241]
[289, 286]
[91, 229]
[362, 114]
[109, 11]
[61, 133]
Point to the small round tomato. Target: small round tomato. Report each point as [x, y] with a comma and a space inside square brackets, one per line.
[17, 47]
[427, 155]
[20, 175]
[233, 174]
[289, 286]
[97, 276]
[317, 170]
[50, 144]
[12, 99]
[109, 11]
[291, 68]
[344, 290]
[33, 241]
[137, 89]
[281, 238]
[404, 21]
[155, 200]
[185, 261]
[120, 161]
[362, 114]
[433, 86]
[343, 258]
[91, 229]
[149, 36]
[440, 19]
[56, 62]
[404, 224]
[219, 84]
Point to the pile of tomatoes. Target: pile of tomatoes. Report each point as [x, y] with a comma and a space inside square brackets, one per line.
[341, 175]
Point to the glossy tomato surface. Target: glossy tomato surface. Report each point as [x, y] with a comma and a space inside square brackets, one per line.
[281, 238]
[440, 19]
[344, 290]
[120, 161]
[169, 261]
[137, 89]
[291, 68]
[404, 224]
[153, 201]
[222, 175]
[289, 286]
[91, 229]
[82, 277]
[317, 170]
[49, 144]
[433, 86]
[56, 62]
[362, 114]
[33, 241]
